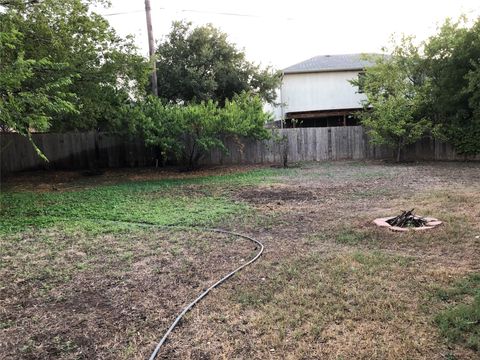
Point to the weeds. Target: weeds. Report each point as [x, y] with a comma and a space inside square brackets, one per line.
[460, 322]
[162, 202]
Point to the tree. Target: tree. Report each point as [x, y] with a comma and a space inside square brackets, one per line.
[188, 132]
[452, 65]
[161, 124]
[199, 64]
[395, 87]
[32, 91]
[71, 46]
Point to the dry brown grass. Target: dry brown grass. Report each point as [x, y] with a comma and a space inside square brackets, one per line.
[330, 285]
[104, 296]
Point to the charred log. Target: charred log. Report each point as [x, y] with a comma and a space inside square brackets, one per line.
[407, 219]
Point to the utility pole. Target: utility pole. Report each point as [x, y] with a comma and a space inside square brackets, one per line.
[151, 48]
[282, 105]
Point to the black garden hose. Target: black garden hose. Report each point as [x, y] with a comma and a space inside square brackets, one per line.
[203, 294]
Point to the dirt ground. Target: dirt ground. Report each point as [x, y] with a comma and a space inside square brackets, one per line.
[72, 180]
[330, 284]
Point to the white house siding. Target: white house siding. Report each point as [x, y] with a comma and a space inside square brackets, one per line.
[274, 108]
[319, 91]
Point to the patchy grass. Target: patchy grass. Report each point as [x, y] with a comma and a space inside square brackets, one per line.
[103, 296]
[76, 283]
[343, 305]
[350, 236]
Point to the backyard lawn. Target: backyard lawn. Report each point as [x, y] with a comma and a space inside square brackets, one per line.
[84, 275]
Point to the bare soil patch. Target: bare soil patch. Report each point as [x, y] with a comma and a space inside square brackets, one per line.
[70, 180]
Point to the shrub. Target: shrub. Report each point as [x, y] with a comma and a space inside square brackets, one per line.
[189, 132]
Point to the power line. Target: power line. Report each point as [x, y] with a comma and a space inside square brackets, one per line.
[198, 11]
[123, 12]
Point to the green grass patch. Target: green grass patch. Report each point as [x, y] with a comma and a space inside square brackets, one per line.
[349, 236]
[370, 174]
[465, 287]
[42, 210]
[377, 259]
[254, 298]
[345, 235]
[162, 202]
[460, 322]
[371, 193]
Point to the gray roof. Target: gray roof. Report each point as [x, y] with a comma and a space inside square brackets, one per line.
[325, 63]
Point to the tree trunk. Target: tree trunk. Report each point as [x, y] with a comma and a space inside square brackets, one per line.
[190, 160]
[196, 159]
[285, 151]
[191, 156]
[399, 151]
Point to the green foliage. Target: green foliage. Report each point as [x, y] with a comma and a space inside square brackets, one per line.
[435, 86]
[244, 116]
[62, 67]
[199, 64]
[453, 67]
[395, 90]
[460, 323]
[452, 63]
[32, 91]
[161, 124]
[189, 132]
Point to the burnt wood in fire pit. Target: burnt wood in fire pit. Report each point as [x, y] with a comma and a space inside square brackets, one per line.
[407, 219]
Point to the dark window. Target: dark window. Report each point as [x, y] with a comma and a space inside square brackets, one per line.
[325, 121]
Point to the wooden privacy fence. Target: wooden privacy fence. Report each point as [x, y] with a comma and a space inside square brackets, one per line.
[303, 144]
[73, 151]
[329, 143]
[92, 149]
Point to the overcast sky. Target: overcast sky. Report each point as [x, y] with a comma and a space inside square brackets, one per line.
[282, 33]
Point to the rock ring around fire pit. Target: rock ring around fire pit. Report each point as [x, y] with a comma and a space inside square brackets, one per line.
[430, 223]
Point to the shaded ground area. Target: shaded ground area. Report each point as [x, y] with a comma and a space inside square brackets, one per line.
[71, 180]
[330, 284]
